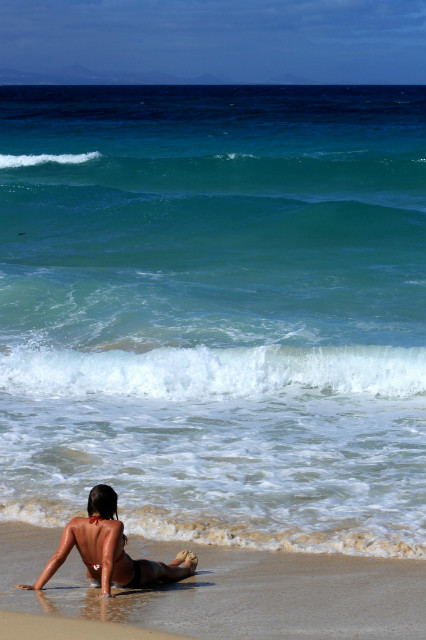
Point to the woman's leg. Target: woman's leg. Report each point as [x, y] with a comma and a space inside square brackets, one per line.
[152, 572]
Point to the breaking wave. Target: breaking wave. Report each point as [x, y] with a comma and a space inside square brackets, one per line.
[14, 162]
[203, 373]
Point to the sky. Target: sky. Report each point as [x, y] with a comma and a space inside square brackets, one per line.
[321, 41]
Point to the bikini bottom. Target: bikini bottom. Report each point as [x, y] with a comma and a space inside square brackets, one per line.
[135, 583]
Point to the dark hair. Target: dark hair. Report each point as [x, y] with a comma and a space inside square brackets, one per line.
[103, 500]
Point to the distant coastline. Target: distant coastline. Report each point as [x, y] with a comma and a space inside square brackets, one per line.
[78, 75]
[81, 76]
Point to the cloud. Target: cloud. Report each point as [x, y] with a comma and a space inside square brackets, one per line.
[201, 16]
[206, 35]
[350, 17]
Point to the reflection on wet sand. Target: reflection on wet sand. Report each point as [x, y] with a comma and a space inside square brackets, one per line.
[47, 605]
[128, 606]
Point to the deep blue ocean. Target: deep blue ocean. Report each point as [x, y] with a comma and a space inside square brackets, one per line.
[213, 298]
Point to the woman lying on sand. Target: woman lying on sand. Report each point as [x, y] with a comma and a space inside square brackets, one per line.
[100, 541]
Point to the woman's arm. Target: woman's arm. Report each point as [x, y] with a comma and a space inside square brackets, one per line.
[57, 560]
[109, 552]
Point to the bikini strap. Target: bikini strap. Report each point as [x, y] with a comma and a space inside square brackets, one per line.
[95, 520]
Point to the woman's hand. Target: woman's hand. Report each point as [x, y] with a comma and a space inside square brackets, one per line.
[27, 587]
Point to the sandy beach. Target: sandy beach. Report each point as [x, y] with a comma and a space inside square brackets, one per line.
[235, 594]
[21, 625]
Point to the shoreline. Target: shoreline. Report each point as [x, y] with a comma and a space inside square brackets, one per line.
[235, 593]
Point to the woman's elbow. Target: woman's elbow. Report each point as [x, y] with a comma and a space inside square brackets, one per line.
[108, 563]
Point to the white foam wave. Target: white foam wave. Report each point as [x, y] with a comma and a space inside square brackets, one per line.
[13, 162]
[165, 527]
[203, 373]
[346, 542]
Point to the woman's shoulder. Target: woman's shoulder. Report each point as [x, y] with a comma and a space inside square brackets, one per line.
[82, 521]
[116, 524]
[77, 521]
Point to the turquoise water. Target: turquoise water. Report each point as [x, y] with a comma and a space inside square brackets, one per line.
[213, 299]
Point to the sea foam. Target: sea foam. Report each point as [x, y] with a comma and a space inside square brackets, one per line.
[203, 373]
[14, 162]
[153, 525]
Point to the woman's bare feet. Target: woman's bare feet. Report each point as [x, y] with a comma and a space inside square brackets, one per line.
[180, 558]
[172, 572]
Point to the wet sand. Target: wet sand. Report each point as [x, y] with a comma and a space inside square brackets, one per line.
[235, 594]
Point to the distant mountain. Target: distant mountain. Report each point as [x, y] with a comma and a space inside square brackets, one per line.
[77, 71]
[288, 78]
[207, 78]
[79, 75]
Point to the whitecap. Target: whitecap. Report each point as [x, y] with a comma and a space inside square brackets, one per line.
[14, 162]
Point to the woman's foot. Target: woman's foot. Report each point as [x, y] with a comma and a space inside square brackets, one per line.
[180, 558]
[191, 562]
[174, 573]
